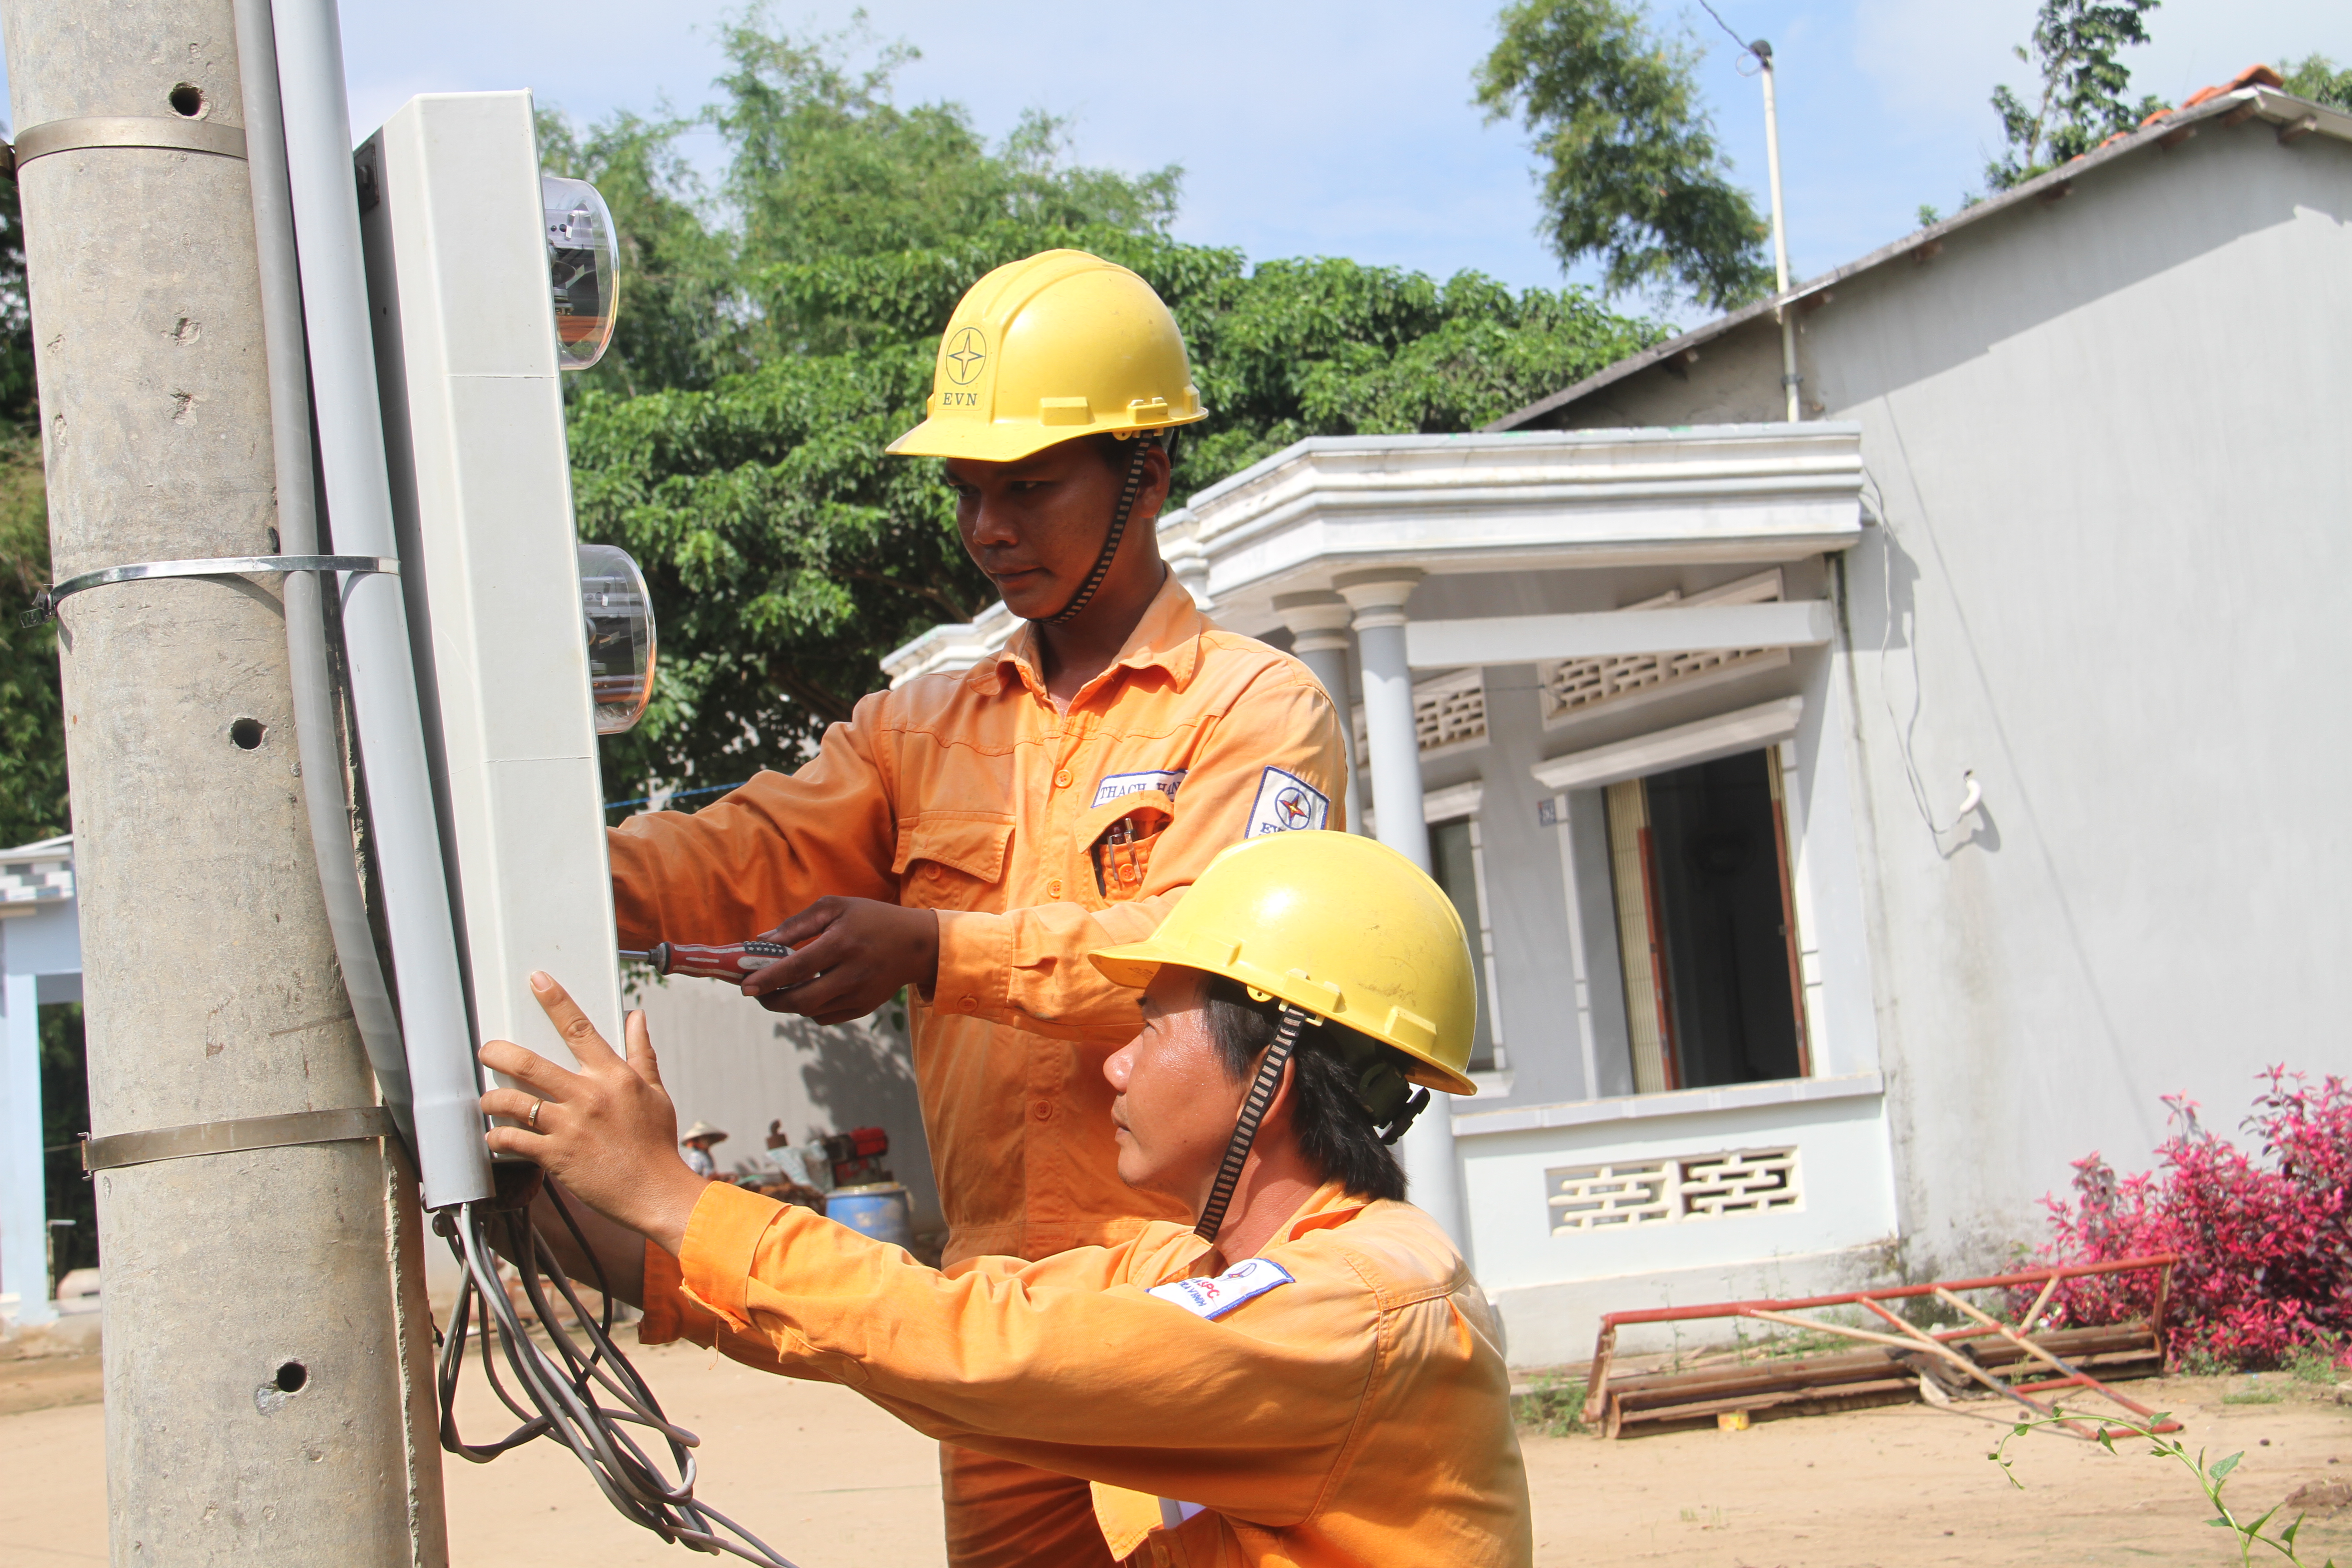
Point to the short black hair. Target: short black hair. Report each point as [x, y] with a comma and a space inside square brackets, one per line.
[1116, 451]
[1335, 1133]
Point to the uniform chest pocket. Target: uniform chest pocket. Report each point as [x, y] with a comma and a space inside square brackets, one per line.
[949, 859]
[1119, 837]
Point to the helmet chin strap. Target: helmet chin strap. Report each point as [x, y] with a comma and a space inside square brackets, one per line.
[1253, 1108]
[1127, 494]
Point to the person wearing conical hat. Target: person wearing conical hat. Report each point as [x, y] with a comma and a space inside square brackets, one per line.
[1301, 1371]
[970, 837]
[697, 1141]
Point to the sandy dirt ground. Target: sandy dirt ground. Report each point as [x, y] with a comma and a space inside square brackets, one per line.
[829, 1482]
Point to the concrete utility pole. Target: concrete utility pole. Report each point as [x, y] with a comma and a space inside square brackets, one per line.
[257, 1409]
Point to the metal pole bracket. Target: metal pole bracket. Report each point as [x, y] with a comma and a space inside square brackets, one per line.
[117, 1150]
[44, 603]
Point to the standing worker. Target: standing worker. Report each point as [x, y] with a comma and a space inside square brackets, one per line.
[973, 836]
[1307, 1375]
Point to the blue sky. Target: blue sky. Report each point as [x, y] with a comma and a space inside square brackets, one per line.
[1307, 127]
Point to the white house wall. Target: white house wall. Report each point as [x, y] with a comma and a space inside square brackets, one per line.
[1552, 1287]
[2129, 627]
[2108, 434]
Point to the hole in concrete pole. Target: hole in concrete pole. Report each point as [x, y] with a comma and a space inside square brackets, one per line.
[186, 98]
[247, 733]
[291, 1376]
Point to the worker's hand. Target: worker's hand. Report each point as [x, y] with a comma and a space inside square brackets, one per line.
[608, 1132]
[849, 956]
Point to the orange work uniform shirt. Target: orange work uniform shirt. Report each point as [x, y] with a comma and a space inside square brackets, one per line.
[1038, 835]
[1347, 1404]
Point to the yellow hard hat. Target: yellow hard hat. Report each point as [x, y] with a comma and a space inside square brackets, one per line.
[1341, 925]
[1046, 350]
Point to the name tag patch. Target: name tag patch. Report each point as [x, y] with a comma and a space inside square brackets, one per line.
[1116, 787]
[1215, 1297]
[1286, 804]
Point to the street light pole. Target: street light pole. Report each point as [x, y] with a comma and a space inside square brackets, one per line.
[1789, 381]
[257, 1409]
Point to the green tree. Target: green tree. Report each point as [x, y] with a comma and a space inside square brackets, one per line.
[741, 461]
[32, 730]
[1629, 167]
[2317, 78]
[2079, 102]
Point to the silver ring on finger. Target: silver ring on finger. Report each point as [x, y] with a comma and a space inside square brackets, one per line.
[531, 1120]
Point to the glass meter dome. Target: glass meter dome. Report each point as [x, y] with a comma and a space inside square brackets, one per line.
[583, 262]
[619, 613]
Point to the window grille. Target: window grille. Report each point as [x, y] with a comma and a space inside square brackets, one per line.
[1753, 1181]
[1662, 1191]
[1573, 687]
[1448, 710]
[1595, 1197]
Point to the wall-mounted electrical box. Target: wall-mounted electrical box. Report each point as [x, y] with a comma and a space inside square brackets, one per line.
[469, 357]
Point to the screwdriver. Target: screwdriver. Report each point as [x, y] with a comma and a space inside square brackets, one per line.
[731, 962]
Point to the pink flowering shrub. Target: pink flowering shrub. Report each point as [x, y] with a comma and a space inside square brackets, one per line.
[2264, 1238]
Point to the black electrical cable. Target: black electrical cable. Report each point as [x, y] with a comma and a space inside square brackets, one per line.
[1758, 50]
[559, 1396]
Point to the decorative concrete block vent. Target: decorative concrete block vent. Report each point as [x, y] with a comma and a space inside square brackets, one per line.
[1662, 1191]
[1448, 710]
[1573, 687]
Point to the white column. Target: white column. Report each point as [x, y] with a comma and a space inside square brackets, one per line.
[24, 1201]
[1378, 595]
[1318, 633]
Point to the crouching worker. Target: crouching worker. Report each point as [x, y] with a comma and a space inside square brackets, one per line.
[1309, 1376]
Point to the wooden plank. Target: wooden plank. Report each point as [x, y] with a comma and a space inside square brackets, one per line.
[1928, 1341]
[1889, 1390]
[1821, 1371]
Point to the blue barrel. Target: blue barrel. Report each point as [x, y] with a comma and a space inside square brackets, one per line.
[878, 1209]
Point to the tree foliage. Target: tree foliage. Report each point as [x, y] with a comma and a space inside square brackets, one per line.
[2318, 78]
[2079, 101]
[778, 327]
[787, 334]
[32, 732]
[1630, 169]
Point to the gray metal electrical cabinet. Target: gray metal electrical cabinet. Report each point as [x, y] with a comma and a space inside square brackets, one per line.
[467, 356]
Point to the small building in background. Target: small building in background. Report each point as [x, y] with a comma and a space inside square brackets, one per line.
[40, 964]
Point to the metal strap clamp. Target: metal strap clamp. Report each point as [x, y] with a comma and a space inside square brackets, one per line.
[44, 603]
[117, 1150]
[81, 131]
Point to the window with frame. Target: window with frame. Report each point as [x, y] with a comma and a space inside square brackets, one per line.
[1454, 862]
[1707, 925]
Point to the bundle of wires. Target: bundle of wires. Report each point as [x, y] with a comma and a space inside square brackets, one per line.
[563, 1396]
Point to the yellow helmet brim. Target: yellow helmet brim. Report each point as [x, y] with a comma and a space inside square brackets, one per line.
[1134, 964]
[1009, 440]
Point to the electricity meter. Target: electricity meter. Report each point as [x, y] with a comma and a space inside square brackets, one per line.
[620, 618]
[582, 263]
